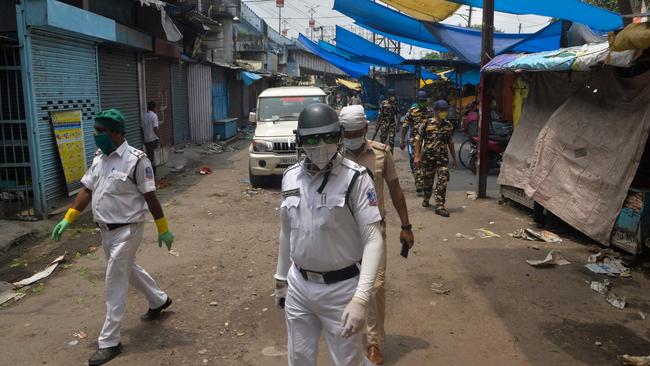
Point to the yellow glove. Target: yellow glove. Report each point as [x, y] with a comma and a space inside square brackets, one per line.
[164, 235]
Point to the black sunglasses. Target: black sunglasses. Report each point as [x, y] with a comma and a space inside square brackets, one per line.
[328, 138]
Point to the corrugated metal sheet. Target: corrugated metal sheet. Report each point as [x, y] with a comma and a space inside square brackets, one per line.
[118, 86]
[179, 103]
[65, 78]
[219, 94]
[157, 79]
[199, 80]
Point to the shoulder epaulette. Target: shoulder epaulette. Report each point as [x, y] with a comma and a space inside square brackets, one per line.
[294, 166]
[98, 152]
[352, 165]
[379, 146]
[138, 153]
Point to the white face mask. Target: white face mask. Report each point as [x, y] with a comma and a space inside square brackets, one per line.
[355, 143]
[321, 154]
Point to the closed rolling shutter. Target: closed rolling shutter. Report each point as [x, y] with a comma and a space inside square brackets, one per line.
[157, 76]
[179, 104]
[65, 78]
[219, 94]
[118, 86]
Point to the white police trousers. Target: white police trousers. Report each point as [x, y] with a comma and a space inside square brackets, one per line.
[120, 246]
[312, 308]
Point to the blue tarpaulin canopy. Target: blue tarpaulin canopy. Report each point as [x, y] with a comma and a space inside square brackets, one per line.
[388, 23]
[352, 68]
[573, 10]
[466, 42]
[249, 77]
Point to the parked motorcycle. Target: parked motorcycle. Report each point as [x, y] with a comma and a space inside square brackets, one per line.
[498, 139]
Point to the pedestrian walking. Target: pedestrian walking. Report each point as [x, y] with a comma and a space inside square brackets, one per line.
[432, 140]
[121, 184]
[415, 117]
[330, 244]
[377, 158]
[150, 130]
[388, 120]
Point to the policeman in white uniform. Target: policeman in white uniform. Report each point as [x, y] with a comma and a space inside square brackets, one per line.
[330, 244]
[121, 185]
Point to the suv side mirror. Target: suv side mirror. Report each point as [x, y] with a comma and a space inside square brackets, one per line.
[252, 117]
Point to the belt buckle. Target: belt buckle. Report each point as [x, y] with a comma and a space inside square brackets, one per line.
[315, 277]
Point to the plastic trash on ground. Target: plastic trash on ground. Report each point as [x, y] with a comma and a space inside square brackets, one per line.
[635, 360]
[553, 258]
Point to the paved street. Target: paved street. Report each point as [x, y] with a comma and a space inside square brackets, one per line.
[498, 311]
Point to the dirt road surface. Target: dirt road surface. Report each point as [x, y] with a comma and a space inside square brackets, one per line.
[498, 311]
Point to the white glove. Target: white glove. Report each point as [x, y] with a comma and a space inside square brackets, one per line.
[280, 293]
[354, 317]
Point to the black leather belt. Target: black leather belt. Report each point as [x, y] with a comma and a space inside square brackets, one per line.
[330, 277]
[110, 227]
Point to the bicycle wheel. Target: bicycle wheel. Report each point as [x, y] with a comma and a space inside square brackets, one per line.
[465, 153]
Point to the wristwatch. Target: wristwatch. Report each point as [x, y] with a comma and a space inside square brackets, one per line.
[407, 227]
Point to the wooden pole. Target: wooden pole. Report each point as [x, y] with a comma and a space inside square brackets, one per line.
[487, 53]
[625, 8]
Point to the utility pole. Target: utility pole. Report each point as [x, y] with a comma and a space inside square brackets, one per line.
[625, 8]
[487, 53]
[469, 18]
[280, 5]
[312, 23]
[519, 28]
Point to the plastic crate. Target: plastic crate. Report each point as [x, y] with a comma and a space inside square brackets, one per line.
[224, 129]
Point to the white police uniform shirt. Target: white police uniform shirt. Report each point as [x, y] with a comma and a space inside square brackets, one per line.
[325, 233]
[118, 187]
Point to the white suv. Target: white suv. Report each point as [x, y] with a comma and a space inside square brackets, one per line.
[273, 149]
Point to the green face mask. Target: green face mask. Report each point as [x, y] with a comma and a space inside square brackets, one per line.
[104, 143]
[422, 105]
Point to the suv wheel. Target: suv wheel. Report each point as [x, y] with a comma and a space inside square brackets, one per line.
[257, 181]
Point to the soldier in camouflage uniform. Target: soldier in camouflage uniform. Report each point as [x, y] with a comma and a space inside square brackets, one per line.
[416, 116]
[387, 120]
[432, 139]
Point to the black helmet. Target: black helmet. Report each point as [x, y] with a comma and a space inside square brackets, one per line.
[391, 92]
[441, 105]
[317, 118]
[422, 95]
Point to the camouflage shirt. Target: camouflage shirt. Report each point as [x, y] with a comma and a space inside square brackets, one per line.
[414, 118]
[388, 110]
[435, 136]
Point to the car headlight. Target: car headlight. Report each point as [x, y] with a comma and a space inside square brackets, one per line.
[262, 146]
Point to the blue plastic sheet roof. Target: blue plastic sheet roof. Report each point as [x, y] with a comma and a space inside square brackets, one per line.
[249, 77]
[352, 68]
[466, 42]
[388, 23]
[573, 10]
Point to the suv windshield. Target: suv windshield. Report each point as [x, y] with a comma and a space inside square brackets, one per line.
[285, 108]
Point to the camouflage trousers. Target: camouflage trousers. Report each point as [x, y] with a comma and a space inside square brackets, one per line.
[417, 175]
[435, 165]
[387, 133]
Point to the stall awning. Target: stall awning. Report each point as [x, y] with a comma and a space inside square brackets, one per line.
[573, 10]
[354, 69]
[352, 85]
[249, 77]
[429, 10]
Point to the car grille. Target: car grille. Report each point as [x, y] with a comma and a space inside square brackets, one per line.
[284, 147]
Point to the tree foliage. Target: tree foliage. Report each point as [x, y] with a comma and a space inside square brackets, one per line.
[605, 4]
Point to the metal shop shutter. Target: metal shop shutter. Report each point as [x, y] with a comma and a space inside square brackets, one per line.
[199, 82]
[118, 87]
[65, 78]
[157, 76]
[179, 104]
[219, 94]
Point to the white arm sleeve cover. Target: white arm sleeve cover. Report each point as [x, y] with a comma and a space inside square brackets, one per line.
[284, 261]
[372, 257]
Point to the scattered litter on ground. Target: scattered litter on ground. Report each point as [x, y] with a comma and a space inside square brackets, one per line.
[213, 148]
[642, 315]
[445, 239]
[471, 195]
[609, 266]
[616, 301]
[601, 287]
[459, 236]
[272, 351]
[40, 275]
[7, 292]
[553, 258]
[179, 150]
[245, 180]
[635, 360]
[485, 233]
[491, 222]
[73, 342]
[178, 168]
[214, 303]
[265, 310]
[173, 252]
[532, 235]
[598, 344]
[163, 183]
[205, 170]
[463, 207]
[252, 192]
[439, 289]
[203, 351]
[219, 240]
[80, 334]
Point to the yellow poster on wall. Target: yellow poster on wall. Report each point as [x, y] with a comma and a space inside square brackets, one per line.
[68, 131]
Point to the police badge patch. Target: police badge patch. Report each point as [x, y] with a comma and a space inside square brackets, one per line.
[148, 172]
[372, 197]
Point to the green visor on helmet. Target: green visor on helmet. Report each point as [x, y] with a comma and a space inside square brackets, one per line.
[111, 119]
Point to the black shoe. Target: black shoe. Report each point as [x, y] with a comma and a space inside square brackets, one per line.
[103, 355]
[425, 204]
[153, 314]
[442, 212]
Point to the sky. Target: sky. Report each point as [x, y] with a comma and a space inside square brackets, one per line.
[296, 16]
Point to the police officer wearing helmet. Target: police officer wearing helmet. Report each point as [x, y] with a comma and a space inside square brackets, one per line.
[432, 139]
[388, 120]
[415, 117]
[121, 184]
[330, 244]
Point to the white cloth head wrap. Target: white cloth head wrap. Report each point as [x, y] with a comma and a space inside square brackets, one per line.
[353, 118]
